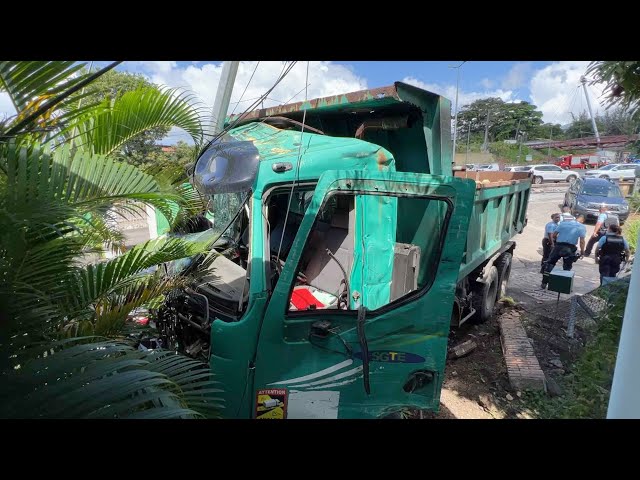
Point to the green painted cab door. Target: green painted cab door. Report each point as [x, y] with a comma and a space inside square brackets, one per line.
[358, 322]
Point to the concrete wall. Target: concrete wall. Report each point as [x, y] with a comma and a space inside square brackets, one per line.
[474, 157]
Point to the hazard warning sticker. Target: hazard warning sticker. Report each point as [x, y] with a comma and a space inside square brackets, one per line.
[271, 403]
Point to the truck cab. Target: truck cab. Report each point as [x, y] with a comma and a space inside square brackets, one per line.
[340, 235]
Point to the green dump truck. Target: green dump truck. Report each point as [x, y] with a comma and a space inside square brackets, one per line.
[347, 248]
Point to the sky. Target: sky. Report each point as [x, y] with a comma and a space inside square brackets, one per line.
[554, 87]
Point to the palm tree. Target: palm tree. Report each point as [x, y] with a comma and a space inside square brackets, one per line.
[58, 189]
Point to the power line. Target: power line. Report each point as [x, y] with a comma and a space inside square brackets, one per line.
[304, 117]
[245, 88]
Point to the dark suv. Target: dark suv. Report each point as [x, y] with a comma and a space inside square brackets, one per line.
[586, 195]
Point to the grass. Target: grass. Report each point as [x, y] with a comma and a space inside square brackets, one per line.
[586, 389]
[630, 232]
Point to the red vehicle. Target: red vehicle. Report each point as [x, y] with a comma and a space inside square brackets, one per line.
[580, 162]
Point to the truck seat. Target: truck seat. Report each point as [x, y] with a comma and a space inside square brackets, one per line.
[322, 271]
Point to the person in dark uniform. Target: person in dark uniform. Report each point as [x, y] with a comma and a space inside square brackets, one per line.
[547, 241]
[604, 220]
[566, 236]
[610, 252]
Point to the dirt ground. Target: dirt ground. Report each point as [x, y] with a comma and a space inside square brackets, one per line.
[476, 386]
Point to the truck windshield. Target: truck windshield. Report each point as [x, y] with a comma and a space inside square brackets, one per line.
[602, 190]
[223, 207]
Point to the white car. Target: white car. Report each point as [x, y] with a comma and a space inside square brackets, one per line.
[616, 171]
[551, 173]
[519, 169]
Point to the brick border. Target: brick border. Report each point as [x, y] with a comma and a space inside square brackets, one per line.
[523, 367]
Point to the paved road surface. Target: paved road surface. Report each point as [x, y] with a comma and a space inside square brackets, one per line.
[525, 272]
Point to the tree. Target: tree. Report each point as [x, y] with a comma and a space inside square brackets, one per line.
[617, 122]
[180, 155]
[548, 131]
[111, 86]
[506, 120]
[581, 126]
[58, 187]
[622, 84]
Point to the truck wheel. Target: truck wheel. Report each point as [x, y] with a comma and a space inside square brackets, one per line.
[571, 178]
[503, 264]
[537, 180]
[485, 296]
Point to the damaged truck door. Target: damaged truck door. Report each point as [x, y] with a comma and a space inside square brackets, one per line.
[356, 303]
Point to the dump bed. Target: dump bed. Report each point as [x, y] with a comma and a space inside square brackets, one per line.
[499, 213]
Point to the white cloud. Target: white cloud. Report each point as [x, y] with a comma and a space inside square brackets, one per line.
[6, 106]
[325, 79]
[487, 83]
[464, 97]
[517, 76]
[557, 92]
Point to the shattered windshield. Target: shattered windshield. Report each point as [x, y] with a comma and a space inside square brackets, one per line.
[223, 207]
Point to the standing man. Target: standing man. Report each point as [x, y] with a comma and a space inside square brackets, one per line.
[604, 220]
[567, 234]
[610, 252]
[547, 241]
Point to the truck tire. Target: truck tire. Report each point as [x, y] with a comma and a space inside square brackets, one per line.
[503, 264]
[485, 296]
[537, 180]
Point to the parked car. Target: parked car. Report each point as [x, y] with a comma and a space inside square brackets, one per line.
[617, 171]
[551, 173]
[492, 167]
[586, 195]
[518, 169]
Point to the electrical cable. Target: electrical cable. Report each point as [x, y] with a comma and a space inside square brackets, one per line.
[304, 118]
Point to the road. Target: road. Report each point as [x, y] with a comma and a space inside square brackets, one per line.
[525, 271]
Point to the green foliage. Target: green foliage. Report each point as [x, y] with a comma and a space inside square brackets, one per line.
[505, 119]
[182, 155]
[622, 80]
[58, 200]
[106, 379]
[45, 95]
[52, 207]
[631, 229]
[581, 126]
[634, 203]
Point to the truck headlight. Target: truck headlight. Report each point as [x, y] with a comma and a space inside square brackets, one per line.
[624, 208]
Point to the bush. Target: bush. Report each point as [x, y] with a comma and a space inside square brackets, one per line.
[630, 232]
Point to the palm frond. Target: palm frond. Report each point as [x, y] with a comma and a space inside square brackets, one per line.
[135, 112]
[39, 91]
[94, 282]
[107, 379]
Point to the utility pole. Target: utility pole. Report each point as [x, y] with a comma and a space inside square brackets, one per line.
[223, 97]
[486, 132]
[520, 149]
[550, 138]
[455, 121]
[466, 158]
[624, 401]
[583, 80]
[518, 129]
